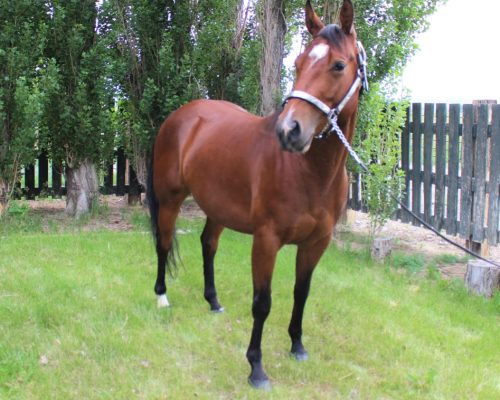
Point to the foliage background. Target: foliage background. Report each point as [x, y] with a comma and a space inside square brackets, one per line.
[82, 78]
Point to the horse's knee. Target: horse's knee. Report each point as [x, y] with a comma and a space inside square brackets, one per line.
[261, 306]
[164, 245]
[209, 244]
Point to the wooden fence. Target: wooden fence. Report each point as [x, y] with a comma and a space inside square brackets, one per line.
[451, 158]
[119, 178]
[450, 154]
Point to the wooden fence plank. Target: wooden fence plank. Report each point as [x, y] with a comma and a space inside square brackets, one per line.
[56, 179]
[453, 162]
[479, 185]
[356, 202]
[43, 172]
[428, 158]
[466, 176]
[441, 118]
[405, 164]
[416, 160]
[120, 172]
[494, 183]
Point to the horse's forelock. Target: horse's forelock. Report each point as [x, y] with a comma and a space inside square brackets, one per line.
[334, 34]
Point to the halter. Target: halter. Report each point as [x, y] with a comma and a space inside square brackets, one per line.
[333, 113]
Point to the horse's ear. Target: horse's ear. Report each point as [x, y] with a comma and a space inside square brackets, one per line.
[347, 17]
[313, 23]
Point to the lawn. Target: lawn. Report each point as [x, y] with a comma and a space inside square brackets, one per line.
[78, 320]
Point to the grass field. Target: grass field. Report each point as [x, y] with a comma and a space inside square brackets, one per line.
[78, 320]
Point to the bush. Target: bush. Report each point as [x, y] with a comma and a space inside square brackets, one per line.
[380, 123]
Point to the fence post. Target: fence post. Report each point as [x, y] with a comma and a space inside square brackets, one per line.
[494, 184]
[479, 173]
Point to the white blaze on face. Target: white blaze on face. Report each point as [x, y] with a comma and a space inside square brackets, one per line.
[288, 121]
[318, 52]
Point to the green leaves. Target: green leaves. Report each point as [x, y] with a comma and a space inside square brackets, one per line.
[380, 124]
[22, 41]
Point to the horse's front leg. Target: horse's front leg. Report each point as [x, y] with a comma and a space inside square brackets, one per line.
[264, 250]
[307, 259]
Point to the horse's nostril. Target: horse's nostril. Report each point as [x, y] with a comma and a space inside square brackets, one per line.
[281, 133]
[295, 131]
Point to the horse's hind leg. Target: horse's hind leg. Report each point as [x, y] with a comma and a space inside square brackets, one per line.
[167, 214]
[209, 243]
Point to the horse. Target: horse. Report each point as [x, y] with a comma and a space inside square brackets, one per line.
[271, 177]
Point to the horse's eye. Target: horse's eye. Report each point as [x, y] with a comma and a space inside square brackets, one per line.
[338, 66]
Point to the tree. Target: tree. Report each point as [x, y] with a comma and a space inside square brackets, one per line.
[77, 114]
[164, 54]
[387, 29]
[146, 43]
[217, 49]
[22, 70]
[381, 123]
[272, 29]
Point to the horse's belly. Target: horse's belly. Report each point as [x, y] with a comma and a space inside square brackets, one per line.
[230, 214]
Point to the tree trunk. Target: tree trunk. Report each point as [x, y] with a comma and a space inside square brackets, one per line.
[140, 167]
[381, 249]
[272, 27]
[82, 187]
[482, 278]
[331, 11]
[4, 190]
[134, 192]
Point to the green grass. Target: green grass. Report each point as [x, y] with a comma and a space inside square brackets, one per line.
[78, 320]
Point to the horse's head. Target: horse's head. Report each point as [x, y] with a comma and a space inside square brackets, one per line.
[328, 78]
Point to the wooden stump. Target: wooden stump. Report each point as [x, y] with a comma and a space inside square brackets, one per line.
[482, 278]
[381, 248]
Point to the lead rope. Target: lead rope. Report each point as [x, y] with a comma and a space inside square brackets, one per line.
[335, 127]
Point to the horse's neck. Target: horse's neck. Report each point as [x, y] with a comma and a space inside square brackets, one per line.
[328, 156]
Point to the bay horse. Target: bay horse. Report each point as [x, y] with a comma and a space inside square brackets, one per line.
[270, 177]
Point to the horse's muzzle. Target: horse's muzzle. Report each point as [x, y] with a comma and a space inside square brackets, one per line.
[291, 138]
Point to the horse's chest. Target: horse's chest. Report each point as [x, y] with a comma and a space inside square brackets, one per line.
[308, 226]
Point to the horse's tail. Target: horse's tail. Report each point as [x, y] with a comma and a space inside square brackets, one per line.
[154, 206]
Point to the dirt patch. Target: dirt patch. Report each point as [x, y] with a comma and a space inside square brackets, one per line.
[115, 214]
[411, 239]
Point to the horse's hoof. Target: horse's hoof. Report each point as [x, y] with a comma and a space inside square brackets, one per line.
[260, 384]
[219, 310]
[300, 355]
[162, 301]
